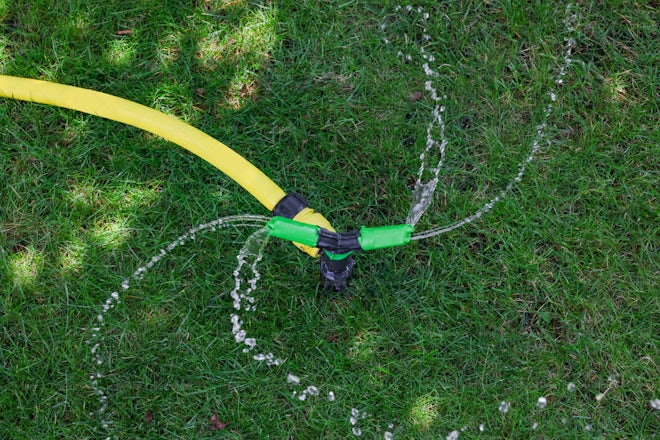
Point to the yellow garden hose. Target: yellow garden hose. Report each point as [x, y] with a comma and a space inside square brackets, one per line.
[122, 110]
[153, 121]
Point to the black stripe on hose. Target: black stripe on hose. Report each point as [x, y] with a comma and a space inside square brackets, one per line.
[290, 205]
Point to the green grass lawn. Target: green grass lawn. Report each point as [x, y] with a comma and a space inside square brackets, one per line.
[557, 285]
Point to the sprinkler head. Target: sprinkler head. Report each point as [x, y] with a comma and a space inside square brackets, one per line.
[336, 249]
[336, 272]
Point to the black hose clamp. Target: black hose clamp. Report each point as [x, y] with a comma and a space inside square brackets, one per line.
[337, 243]
[290, 205]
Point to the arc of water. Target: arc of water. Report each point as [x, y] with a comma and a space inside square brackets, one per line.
[242, 293]
[424, 190]
[570, 23]
[97, 337]
[522, 167]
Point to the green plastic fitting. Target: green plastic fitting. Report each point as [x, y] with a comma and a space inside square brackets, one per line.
[294, 231]
[368, 239]
[384, 236]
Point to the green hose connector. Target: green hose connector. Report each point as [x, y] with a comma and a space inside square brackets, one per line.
[384, 236]
[294, 231]
[340, 245]
[337, 249]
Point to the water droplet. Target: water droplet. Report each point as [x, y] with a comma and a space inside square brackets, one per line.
[655, 404]
[571, 387]
[452, 435]
[542, 402]
[239, 336]
[504, 407]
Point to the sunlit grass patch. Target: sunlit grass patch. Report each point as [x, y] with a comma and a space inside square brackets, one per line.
[85, 196]
[79, 26]
[72, 257]
[5, 55]
[76, 130]
[25, 265]
[121, 51]
[424, 411]
[363, 346]
[111, 233]
[616, 87]
[248, 48]
[169, 49]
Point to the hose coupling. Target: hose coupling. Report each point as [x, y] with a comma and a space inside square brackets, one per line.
[337, 248]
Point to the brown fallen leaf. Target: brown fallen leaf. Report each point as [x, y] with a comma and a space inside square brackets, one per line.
[149, 416]
[416, 96]
[124, 32]
[215, 423]
[244, 90]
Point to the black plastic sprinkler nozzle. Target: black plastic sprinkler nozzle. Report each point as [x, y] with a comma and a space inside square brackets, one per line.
[337, 260]
[336, 272]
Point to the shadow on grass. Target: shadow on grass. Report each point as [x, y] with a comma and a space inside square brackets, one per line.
[446, 330]
[83, 198]
[200, 63]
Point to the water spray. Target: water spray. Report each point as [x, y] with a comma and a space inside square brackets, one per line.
[292, 217]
